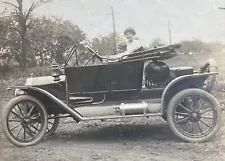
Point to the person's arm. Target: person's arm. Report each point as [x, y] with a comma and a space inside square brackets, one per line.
[117, 56]
[123, 54]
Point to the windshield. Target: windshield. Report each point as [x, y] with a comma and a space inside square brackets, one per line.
[79, 56]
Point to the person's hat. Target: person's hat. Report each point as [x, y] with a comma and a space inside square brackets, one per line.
[129, 29]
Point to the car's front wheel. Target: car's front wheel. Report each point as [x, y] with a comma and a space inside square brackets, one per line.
[194, 115]
[53, 124]
[24, 121]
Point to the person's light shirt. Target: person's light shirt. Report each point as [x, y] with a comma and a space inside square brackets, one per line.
[131, 47]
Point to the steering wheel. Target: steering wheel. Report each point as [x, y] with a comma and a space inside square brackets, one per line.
[102, 58]
[209, 66]
[94, 53]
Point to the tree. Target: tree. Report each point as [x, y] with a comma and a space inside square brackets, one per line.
[48, 39]
[22, 17]
[9, 43]
[195, 46]
[157, 42]
[51, 37]
[105, 45]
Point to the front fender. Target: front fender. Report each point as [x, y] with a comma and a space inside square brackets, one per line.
[180, 83]
[38, 91]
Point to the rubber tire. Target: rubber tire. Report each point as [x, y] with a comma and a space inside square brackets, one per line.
[54, 128]
[6, 111]
[176, 99]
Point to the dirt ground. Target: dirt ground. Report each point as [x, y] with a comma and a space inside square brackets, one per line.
[126, 140]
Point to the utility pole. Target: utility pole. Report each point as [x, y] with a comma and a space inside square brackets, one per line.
[222, 8]
[169, 32]
[114, 30]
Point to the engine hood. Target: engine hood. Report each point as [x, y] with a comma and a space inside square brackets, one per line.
[45, 80]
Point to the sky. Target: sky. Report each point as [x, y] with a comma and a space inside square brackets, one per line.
[189, 19]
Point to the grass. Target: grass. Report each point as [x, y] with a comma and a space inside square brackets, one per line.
[18, 77]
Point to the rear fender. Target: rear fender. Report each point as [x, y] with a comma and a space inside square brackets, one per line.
[34, 91]
[181, 83]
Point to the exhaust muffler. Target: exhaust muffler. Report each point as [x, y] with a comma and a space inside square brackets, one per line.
[138, 108]
[133, 108]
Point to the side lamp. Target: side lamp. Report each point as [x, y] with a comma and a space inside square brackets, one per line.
[55, 71]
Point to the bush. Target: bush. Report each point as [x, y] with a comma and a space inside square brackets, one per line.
[5, 70]
[195, 46]
[15, 72]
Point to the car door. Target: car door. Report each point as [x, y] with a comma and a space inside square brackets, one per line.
[105, 77]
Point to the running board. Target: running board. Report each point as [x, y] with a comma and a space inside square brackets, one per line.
[119, 116]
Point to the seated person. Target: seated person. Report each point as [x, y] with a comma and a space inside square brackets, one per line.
[132, 43]
[122, 46]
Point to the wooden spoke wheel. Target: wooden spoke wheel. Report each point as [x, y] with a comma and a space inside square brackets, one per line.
[53, 124]
[194, 115]
[24, 121]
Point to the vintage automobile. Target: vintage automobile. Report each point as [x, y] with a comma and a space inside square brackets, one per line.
[137, 85]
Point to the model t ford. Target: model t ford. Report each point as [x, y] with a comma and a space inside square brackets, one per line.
[137, 85]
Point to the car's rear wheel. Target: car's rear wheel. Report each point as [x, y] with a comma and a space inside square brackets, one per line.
[53, 124]
[194, 115]
[24, 121]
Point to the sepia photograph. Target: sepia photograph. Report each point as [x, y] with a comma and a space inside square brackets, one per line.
[112, 80]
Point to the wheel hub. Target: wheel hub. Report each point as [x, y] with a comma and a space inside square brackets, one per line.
[195, 117]
[26, 120]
